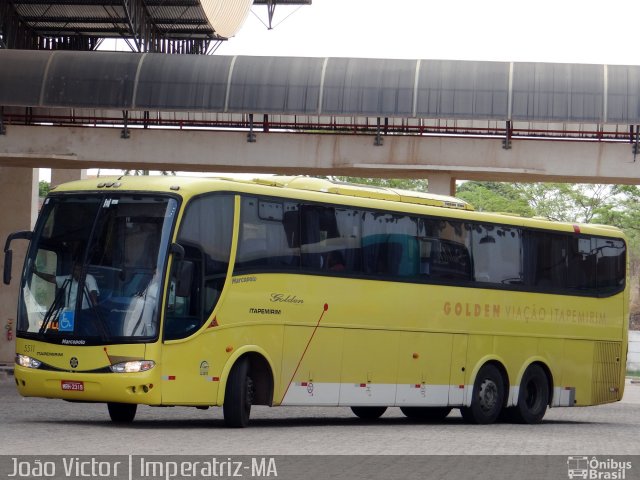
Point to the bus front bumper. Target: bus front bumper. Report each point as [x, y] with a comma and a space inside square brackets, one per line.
[142, 387]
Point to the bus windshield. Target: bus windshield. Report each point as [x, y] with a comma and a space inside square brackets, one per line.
[94, 270]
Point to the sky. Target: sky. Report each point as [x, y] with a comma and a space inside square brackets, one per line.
[565, 31]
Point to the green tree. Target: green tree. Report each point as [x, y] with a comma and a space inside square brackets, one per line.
[495, 197]
[44, 188]
[622, 211]
[417, 185]
[564, 202]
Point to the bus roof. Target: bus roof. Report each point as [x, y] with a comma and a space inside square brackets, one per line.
[294, 182]
[364, 191]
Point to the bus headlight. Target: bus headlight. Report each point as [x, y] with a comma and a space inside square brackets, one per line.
[28, 362]
[133, 367]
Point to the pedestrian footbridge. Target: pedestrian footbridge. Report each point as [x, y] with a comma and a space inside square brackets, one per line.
[367, 117]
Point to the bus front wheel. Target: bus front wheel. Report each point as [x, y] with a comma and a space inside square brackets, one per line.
[487, 397]
[122, 412]
[533, 396]
[238, 396]
[368, 413]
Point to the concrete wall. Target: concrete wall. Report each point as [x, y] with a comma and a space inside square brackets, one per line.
[19, 200]
[633, 357]
[59, 176]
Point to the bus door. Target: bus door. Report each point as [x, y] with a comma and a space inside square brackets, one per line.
[184, 353]
[198, 275]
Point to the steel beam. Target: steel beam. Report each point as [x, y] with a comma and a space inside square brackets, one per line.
[148, 33]
[69, 2]
[114, 3]
[280, 2]
[275, 152]
[110, 20]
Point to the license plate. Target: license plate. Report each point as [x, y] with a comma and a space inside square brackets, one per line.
[74, 386]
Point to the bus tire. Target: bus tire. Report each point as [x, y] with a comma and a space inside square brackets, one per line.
[122, 412]
[368, 413]
[487, 397]
[238, 395]
[426, 414]
[533, 397]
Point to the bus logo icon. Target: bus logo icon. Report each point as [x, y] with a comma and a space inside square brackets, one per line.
[578, 467]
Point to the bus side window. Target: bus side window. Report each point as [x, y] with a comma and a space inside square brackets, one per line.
[269, 236]
[497, 254]
[347, 244]
[547, 260]
[318, 228]
[390, 245]
[185, 305]
[582, 263]
[611, 264]
[426, 247]
[450, 256]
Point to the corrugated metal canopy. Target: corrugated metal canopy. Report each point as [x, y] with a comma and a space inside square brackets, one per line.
[170, 19]
[112, 18]
[226, 16]
[323, 86]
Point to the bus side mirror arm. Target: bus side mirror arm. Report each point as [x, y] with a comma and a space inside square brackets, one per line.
[8, 253]
[177, 250]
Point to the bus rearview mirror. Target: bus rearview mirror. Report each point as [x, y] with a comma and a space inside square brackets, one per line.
[8, 260]
[8, 253]
[184, 278]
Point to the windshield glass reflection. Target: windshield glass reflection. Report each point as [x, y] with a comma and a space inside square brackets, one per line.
[95, 268]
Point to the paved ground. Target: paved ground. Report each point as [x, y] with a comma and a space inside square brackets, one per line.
[56, 427]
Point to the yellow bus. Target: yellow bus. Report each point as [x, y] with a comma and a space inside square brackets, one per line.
[302, 291]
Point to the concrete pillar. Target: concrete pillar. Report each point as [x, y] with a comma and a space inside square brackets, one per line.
[60, 175]
[19, 200]
[442, 184]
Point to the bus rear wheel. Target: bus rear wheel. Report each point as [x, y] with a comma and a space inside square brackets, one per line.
[238, 396]
[426, 414]
[368, 413]
[122, 412]
[487, 397]
[533, 396]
